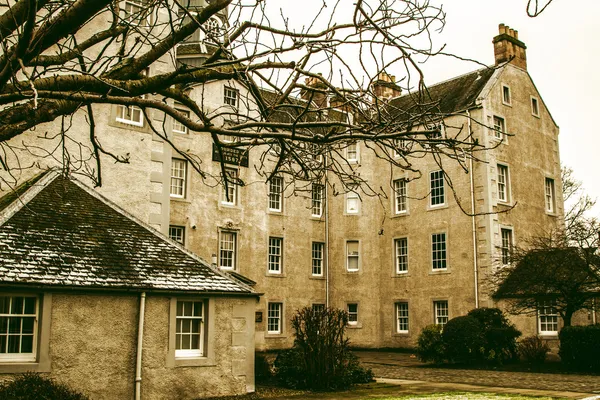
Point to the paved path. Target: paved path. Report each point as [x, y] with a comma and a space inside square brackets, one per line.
[402, 366]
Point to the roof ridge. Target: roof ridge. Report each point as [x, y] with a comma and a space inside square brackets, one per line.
[450, 79]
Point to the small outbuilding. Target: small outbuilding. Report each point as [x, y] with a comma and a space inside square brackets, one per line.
[96, 299]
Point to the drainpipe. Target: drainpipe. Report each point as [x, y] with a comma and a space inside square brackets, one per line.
[594, 311]
[138, 361]
[326, 235]
[473, 224]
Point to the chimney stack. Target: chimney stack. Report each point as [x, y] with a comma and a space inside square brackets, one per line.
[318, 98]
[384, 87]
[507, 46]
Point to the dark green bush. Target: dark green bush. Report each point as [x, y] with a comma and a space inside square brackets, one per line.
[580, 347]
[320, 358]
[498, 334]
[30, 386]
[463, 340]
[533, 350]
[430, 346]
[262, 368]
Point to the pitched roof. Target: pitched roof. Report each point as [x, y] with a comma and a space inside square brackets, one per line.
[61, 233]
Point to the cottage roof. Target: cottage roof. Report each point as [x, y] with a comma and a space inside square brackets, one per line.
[57, 232]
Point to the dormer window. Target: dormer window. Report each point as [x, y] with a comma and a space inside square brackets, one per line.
[212, 30]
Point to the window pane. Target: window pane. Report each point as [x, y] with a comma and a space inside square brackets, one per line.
[17, 305]
[437, 188]
[30, 305]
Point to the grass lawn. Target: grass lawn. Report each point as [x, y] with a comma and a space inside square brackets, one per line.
[465, 396]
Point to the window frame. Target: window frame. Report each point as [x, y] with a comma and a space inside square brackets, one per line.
[178, 127]
[317, 196]
[545, 314]
[356, 158]
[173, 236]
[400, 187]
[231, 96]
[435, 252]
[402, 320]
[317, 258]
[502, 170]
[201, 350]
[178, 181]
[9, 315]
[550, 195]
[398, 257]
[352, 315]
[357, 256]
[506, 246]
[275, 259]
[352, 196]
[506, 95]
[124, 110]
[274, 194]
[277, 306]
[439, 318]
[231, 253]
[535, 110]
[499, 124]
[232, 188]
[434, 177]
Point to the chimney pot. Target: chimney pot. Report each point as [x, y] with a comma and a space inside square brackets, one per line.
[508, 47]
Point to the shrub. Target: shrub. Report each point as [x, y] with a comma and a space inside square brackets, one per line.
[320, 358]
[533, 350]
[462, 338]
[34, 386]
[498, 334]
[262, 368]
[579, 347]
[430, 346]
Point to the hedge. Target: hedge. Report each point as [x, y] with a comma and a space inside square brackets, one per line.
[580, 347]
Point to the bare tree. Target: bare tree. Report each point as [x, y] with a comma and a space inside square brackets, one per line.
[308, 101]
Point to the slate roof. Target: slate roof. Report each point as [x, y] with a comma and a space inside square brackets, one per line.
[67, 235]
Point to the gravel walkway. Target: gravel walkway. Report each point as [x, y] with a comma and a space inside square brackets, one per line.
[403, 366]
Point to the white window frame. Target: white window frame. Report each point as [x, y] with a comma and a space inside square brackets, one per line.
[183, 315]
[353, 153]
[178, 127]
[401, 255]
[275, 255]
[178, 178]
[318, 252]
[402, 316]
[400, 196]
[353, 255]
[177, 233]
[125, 115]
[317, 195]
[437, 190]
[352, 197]
[499, 124]
[275, 195]
[535, 106]
[129, 10]
[547, 318]
[439, 251]
[232, 187]
[274, 318]
[441, 312]
[231, 96]
[506, 244]
[550, 195]
[352, 309]
[213, 24]
[506, 95]
[503, 183]
[9, 313]
[228, 250]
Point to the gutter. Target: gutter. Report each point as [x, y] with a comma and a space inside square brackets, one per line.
[326, 198]
[473, 224]
[138, 361]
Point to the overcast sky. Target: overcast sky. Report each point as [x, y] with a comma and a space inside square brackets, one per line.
[563, 54]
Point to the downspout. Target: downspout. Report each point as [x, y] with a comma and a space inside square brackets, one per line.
[326, 235]
[594, 311]
[138, 361]
[473, 224]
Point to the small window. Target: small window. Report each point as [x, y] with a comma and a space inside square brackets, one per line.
[317, 200]
[352, 313]
[353, 257]
[134, 13]
[507, 245]
[550, 203]
[18, 328]
[400, 196]
[401, 146]
[499, 127]
[317, 258]
[352, 203]
[274, 318]
[438, 251]
[178, 127]
[231, 96]
[535, 108]
[230, 187]
[401, 317]
[275, 194]
[503, 184]
[437, 197]
[275, 254]
[189, 331]
[548, 318]
[227, 250]
[401, 250]
[318, 307]
[131, 115]
[213, 32]
[440, 309]
[178, 176]
[352, 153]
[506, 98]
[177, 233]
